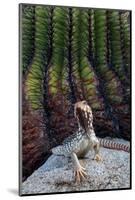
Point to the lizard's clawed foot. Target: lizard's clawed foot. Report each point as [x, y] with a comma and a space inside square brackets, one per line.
[80, 174]
[97, 157]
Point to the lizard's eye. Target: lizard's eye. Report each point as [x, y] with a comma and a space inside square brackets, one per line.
[84, 102]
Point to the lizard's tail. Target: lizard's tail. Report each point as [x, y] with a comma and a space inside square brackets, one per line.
[114, 145]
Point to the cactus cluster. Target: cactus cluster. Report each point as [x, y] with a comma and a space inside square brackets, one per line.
[71, 54]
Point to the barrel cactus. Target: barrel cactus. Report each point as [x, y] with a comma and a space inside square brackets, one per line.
[72, 54]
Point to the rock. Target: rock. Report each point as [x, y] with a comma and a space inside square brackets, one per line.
[56, 174]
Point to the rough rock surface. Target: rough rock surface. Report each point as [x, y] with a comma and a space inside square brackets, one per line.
[56, 174]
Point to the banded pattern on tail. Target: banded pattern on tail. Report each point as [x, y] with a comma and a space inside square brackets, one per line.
[114, 145]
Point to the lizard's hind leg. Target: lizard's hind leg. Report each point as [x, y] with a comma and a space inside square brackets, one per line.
[96, 147]
[79, 170]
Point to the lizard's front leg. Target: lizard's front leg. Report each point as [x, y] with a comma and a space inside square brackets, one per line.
[79, 170]
[96, 147]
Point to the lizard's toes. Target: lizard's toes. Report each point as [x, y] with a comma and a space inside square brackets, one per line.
[80, 174]
[98, 157]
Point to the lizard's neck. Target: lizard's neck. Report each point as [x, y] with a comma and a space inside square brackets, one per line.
[89, 131]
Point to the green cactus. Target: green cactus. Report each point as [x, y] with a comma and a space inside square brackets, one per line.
[75, 54]
[28, 35]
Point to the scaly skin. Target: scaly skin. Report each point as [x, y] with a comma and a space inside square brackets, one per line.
[77, 145]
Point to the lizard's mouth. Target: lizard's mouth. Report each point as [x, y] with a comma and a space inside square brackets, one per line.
[83, 114]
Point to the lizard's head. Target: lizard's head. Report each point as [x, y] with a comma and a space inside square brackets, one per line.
[83, 113]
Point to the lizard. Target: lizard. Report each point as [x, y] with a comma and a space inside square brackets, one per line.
[84, 139]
